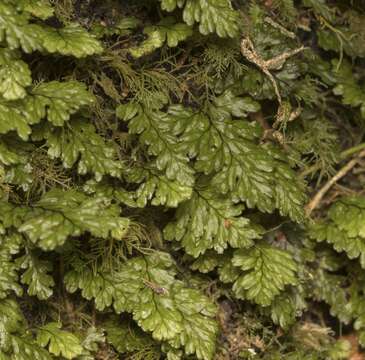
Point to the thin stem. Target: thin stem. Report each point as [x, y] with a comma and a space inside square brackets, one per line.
[343, 155]
[341, 173]
[352, 150]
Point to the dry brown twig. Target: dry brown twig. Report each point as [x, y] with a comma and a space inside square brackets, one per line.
[314, 202]
[277, 26]
[276, 63]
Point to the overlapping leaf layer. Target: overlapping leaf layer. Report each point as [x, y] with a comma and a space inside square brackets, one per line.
[156, 158]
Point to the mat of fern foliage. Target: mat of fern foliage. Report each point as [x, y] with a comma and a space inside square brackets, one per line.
[182, 179]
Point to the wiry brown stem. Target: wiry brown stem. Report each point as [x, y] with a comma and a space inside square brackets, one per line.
[314, 202]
